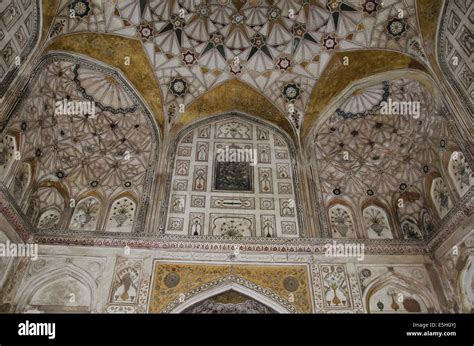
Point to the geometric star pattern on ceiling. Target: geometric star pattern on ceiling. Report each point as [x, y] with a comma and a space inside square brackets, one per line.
[107, 153]
[278, 47]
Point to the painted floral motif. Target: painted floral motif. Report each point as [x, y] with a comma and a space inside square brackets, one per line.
[81, 8]
[377, 223]
[86, 215]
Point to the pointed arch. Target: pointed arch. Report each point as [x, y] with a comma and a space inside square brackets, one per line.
[365, 69]
[234, 96]
[414, 291]
[460, 172]
[410, 229]
[377, 221]
[111, 49]
[55, 275]
[341, 219]
[265, 300]
[198, 166]
[99, 167]
[122, 213]
[46, 206]
[440, 196]
[87, 214]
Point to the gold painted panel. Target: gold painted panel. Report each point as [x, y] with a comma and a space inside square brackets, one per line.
[193, 276]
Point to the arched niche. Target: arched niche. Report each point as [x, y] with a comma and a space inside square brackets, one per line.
[232, 175]
[394, 298]
[49, 219]
[460, 173]
[121, 215]
[65, 294]
[86, 214]
[63, 289]
[394, 294]
[229, 302]
[46, 207]
[377, 222]
[410, 229]
[440, 196]
[342, 221]
[408, 205]
[119, 158]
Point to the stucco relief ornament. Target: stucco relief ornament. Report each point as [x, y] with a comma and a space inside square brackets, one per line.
[329, 42]
[178, 87]
[291, 92]
[283, 64]
[81, 8]
[370, 6]
[189, 58]
[397, 27]
[146, 32]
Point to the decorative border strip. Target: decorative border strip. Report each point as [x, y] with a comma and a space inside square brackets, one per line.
[463, 209]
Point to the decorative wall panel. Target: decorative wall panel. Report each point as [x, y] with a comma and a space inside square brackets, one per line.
[233, 167]
[19, 34]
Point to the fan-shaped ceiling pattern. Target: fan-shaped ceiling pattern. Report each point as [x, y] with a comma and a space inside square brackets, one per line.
[278, 47]
[106, 151]
[361, 152]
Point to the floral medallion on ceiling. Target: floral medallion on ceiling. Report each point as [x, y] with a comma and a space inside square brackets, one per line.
[278, 47]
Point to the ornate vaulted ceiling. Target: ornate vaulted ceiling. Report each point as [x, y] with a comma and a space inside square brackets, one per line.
[364, 154]
[319, 70]
[278, 48]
